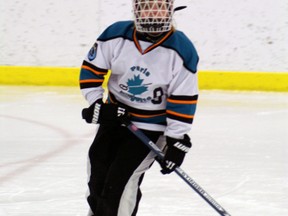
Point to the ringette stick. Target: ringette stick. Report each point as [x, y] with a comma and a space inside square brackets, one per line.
[197, 188]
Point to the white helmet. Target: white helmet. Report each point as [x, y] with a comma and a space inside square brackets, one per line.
[153, 16]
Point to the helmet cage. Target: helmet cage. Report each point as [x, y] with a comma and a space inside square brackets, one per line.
[153, 16]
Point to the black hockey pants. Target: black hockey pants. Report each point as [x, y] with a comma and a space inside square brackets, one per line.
[118, 161]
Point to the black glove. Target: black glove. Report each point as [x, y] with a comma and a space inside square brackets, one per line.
[175, 153]
[104, 113]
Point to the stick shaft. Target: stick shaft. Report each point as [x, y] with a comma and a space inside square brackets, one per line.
[197, 188]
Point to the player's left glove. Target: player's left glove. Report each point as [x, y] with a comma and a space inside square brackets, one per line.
[176, 150]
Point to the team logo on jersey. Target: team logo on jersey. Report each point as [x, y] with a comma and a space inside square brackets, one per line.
[92, 52]
[136, 86]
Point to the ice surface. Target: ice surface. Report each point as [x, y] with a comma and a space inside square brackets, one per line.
[239, 156]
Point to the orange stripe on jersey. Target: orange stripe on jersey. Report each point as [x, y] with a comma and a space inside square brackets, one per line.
[159, 42]
[153, 45]
[182, 101]
[90, 80]
[136, 42]
[179, 114]
[146, 116]
[92, 70]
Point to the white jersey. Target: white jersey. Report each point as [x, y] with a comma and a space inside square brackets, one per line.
[156, 82]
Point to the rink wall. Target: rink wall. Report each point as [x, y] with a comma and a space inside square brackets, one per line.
[208, 80]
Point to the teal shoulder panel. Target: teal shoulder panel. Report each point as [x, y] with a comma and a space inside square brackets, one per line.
[122, 29]
[179, 42]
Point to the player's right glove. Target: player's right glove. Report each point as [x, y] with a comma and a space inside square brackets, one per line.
[104, 113]
[176, 150]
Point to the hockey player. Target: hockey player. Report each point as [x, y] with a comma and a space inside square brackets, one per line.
[154, 84]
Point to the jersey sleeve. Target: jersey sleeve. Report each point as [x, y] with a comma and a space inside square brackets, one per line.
[93, 70]
[97, 62]
[181, 101]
